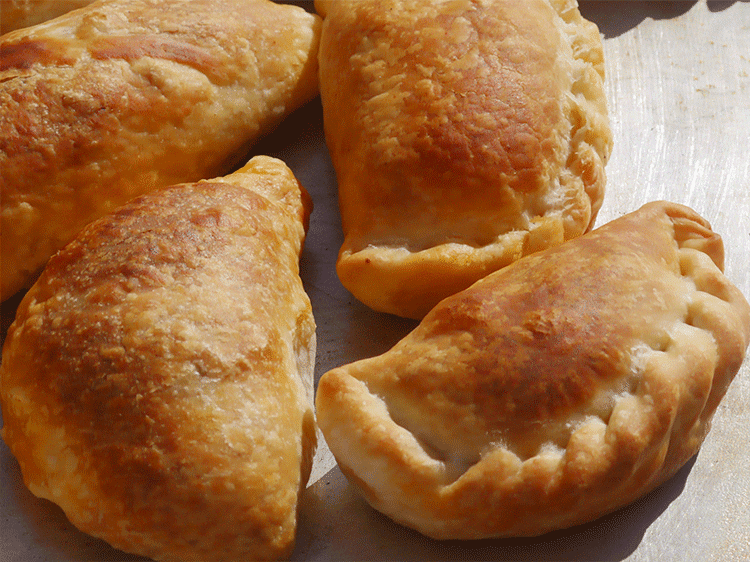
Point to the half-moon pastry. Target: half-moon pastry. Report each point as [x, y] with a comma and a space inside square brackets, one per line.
[551, 392]
[120, 97]
[463, 134]
[157, 381]
[15, 14]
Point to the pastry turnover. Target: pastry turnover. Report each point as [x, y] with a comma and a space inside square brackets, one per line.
[551, 392]
[157, 381]
[464, 134]
[123, 96]
[15, 14]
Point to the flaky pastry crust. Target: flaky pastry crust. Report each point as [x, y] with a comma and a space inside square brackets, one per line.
[157, 381]
[464, 134]
[551, 392]
[125, 96]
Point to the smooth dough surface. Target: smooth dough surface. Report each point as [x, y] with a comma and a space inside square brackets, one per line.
[121, 97]
[551, 392]
[157, 381]
[464, 134]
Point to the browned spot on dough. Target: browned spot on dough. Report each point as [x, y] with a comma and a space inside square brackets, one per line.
[24, 54]
[543, 338]
[131, 48]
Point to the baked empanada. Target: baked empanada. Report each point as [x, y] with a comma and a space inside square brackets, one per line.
[157, 381]
[15, 14]
[124, 96]
[463, 134]
[551, 392]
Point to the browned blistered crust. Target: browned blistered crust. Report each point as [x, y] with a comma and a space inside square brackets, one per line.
[157, 380]
[551, 392]
[118, 98]
[464, 135]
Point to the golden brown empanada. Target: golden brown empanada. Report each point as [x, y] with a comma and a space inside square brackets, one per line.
[464, 135]
[157, 381]
[15, 14]
[124, 96]
[551, 392]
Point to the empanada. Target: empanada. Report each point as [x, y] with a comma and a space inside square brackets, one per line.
[551, 392]
[157, 381]
[463, 134]
[15, 14]
[124, 96]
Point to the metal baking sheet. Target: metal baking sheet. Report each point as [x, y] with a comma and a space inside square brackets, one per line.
[678, 81]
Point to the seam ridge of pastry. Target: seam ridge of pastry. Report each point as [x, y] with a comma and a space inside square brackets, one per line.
[456, 427]
[524, 139]
[589, 153]
[457, 467]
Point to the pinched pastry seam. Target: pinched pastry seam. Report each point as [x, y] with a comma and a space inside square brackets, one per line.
[382, 272]
[619, 454]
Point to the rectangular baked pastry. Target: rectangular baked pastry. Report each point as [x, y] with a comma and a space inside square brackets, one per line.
[552, 391]
[157, 381]
[120, 97]
[464, 135]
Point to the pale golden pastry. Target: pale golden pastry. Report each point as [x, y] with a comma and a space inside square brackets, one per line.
[15, 14]
[551, 392]
[124, 96]
[157, 381]
[464, 135]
